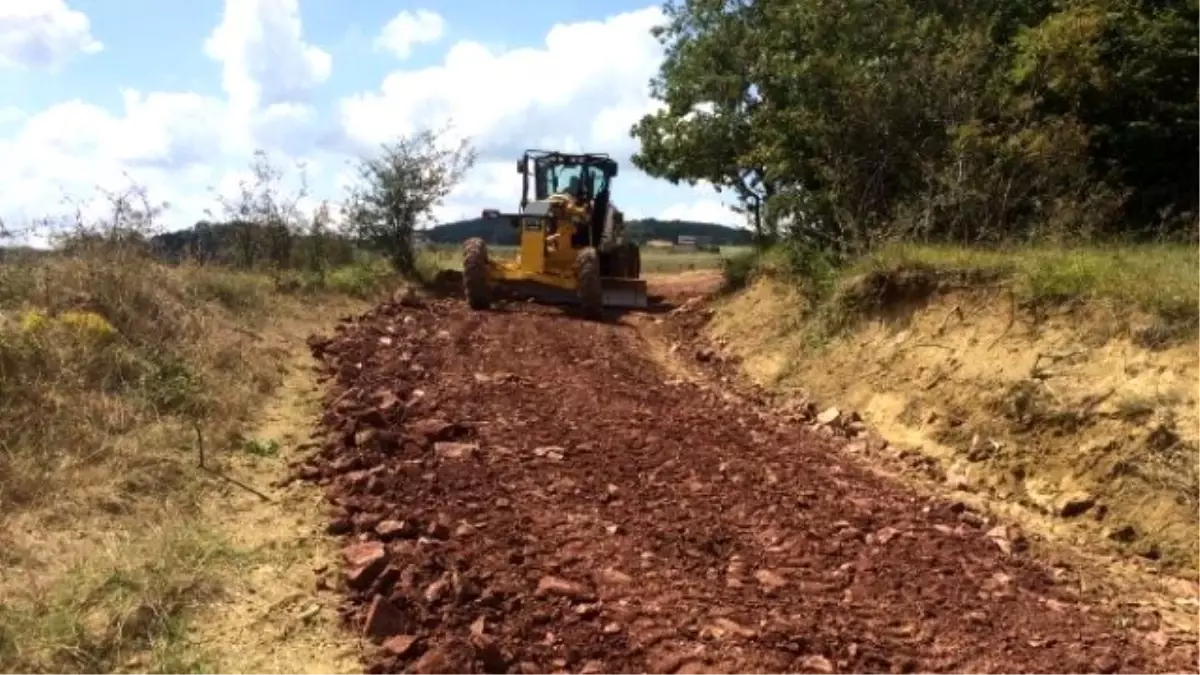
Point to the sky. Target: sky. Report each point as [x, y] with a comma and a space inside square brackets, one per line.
[177, 96]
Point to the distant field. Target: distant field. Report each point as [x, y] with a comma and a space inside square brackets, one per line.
[654, 260]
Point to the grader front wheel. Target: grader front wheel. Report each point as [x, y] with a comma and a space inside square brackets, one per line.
[475, 281]
[591, 293]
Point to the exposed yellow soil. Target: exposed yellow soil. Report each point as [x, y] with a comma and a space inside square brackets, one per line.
[1065, 415]
[271, 617]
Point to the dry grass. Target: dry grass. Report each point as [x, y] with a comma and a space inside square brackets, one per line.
[112, 368]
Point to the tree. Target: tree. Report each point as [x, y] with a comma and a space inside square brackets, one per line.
[706, 129]
[264, 215]
[846, 123]
[397, 190]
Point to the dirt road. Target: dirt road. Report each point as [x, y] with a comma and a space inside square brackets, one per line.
[523, 491]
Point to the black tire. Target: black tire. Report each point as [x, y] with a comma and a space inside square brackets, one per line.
[591, 293]
[634, 260]
[475, 279]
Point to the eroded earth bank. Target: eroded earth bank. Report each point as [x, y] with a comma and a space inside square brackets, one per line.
[523, 491]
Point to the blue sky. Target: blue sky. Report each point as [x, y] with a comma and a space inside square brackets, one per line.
[177, 96]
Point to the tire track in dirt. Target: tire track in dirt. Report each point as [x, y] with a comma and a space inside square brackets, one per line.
[522, 491]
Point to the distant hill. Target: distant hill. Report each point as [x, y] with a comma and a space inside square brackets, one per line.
[226, 242]
[501, 233]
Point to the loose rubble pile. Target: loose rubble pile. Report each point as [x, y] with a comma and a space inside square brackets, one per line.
[520, 491]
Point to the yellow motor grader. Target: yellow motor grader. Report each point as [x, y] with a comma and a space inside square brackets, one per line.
[573, 246]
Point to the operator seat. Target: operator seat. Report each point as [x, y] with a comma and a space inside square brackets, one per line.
[594, 232]
[575, 187]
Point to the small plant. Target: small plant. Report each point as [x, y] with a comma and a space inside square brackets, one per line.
[261, 448]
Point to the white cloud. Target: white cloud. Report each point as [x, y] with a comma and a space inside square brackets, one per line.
[264, 58]
[582, 89]
[596, 68]
[176, 144]
[409, 29]
[43, 34]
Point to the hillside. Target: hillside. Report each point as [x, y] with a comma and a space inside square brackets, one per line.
[499, 232]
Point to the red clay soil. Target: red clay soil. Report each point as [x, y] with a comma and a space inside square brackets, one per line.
[524, 491]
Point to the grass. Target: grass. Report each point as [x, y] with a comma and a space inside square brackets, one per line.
[1160, 280]
[112, 368]
[121, 608]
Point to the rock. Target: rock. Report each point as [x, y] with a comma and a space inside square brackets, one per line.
[433, 429]
[613, 576]
[364, 561]
[383, 619]
[1075, 504]
[815, 663]
[365, 438]
[479, 626]
[437, 590]
[1125, 534]
[723, 626]
[999, 536]
[770, 580]
[555, 586]
[593, 667]
[400, 645]
[555, 452]
[587, 611]
[883, 535]
[439, 528]
[828, 416]
[705, 354]
[449, 450]
[449, 657]
[340, 525]
[395, 529]
[611, 628]
[1008, 539]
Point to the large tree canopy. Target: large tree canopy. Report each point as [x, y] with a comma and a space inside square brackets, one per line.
[851, 121]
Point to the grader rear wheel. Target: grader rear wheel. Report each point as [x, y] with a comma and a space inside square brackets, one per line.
[475, 281]
[591, 293]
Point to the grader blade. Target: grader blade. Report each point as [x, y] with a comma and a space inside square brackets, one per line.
[542, 293]
[616, 293]
[624, 293]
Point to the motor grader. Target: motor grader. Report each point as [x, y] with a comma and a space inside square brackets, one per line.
[573, 246]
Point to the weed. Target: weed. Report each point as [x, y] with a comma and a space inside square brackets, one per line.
[123, 608]
[260, 448]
